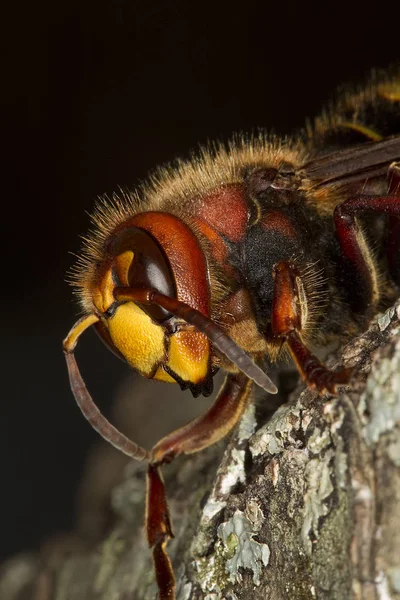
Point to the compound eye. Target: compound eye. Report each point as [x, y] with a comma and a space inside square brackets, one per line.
[149, 267]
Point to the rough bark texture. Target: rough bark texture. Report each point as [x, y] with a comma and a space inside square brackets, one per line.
[307, 505]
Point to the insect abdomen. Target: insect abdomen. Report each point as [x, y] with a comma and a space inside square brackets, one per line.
[368, 114]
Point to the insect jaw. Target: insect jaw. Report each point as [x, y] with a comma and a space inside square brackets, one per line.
[158, 349]
[203, 388]
[204, 325]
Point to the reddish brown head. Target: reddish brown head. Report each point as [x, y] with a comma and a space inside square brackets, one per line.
[155, 250]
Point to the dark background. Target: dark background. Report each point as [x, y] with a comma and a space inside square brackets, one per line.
[95, 96]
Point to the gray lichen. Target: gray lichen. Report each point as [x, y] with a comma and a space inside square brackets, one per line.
[318, 487]
[383, 416]
[234, 550]
[272, 437]
[238, 537]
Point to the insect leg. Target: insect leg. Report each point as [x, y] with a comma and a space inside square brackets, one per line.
[393, 243]
[200, 433]
[158, 526]
[358, 264]
[286, 325]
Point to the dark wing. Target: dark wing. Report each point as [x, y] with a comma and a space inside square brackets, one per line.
[369, 160]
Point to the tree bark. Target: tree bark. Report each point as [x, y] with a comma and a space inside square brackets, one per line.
[305, 505]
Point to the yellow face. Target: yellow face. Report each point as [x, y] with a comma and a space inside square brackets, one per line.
[137, 338]
[157, 351]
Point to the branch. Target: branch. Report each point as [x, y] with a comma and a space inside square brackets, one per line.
[307, 505]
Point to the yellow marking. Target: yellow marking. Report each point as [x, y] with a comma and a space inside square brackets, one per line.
[363, 129]
[390, 91]
[258, 214]
[103, 293]
[162, 375]
[122, 265]
[80, 326]
[137, 338]
[302, 302]
[188, 355]
[372, 268]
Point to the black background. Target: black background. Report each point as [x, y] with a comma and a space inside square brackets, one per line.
[94, 96]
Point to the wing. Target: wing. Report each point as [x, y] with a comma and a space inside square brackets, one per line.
[367, 161]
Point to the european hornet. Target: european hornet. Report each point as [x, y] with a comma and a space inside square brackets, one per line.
[240, 255]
